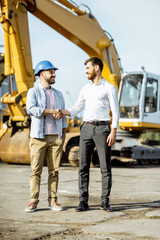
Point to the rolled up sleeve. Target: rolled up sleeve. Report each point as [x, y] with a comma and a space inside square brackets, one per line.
[31, 104]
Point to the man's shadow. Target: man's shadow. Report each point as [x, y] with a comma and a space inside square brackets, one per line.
[127, 206]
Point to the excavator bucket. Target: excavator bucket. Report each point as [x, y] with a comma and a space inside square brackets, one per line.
[14, 148]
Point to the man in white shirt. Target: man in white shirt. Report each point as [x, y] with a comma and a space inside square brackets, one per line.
[98, 97]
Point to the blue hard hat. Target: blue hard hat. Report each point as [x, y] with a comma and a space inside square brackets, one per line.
[44, 65]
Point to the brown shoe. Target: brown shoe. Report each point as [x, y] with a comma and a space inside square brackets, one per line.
[32, 207]
[55, 206]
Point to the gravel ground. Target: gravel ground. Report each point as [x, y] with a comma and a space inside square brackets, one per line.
[135, 199]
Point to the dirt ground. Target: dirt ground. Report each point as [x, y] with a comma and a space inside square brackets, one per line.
[135, 199]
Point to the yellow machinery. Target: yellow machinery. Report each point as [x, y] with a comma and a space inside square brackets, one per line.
[83, 30]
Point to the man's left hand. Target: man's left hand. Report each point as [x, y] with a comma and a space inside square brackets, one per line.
[111, 139]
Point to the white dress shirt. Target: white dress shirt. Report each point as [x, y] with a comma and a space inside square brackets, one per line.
[98, 100]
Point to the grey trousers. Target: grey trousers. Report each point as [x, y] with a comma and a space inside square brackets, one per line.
[94, 136]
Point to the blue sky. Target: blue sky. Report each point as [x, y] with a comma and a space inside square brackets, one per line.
[134, 26]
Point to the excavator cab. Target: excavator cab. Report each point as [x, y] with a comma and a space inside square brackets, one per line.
[139, 101]
[137, 138]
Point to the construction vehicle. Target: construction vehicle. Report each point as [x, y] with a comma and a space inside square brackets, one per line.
[138, 139]
[139, 93]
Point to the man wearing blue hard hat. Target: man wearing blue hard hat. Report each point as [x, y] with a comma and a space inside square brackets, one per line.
[47, 134]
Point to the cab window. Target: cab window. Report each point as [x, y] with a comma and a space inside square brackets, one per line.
[151, 94]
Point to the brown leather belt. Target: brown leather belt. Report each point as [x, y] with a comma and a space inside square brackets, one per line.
[97, 123]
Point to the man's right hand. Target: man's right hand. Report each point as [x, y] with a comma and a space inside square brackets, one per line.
[57, 113]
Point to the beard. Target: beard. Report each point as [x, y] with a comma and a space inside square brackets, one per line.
[50, 80]
[92, 75]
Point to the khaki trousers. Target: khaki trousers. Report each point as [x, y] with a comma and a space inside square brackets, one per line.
[49, 148]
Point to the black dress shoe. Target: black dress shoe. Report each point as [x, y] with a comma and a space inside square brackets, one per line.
[105, 206]
[83, 206]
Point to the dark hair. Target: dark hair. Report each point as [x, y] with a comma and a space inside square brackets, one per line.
[95, 61]
[38, 74]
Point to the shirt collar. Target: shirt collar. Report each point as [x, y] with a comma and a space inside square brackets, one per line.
[102, 82]
[43, 88]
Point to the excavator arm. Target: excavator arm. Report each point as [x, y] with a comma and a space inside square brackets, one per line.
[18, 61]
[83, 30]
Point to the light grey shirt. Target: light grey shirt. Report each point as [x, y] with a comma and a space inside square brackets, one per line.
[98, 100]
[36, 104]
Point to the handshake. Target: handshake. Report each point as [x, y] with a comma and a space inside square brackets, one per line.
[58, 113]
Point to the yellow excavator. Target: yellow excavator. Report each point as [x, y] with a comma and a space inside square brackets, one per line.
[139, 92]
